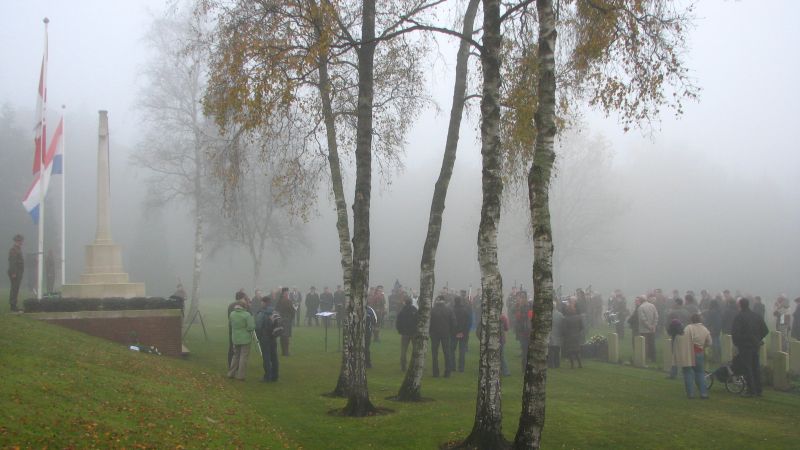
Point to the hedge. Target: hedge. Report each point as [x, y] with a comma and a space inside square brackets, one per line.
[33, 305]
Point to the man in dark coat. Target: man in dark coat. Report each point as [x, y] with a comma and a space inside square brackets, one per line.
[326, 300]
[461, 332]
[758, 307]
[339, 300]
[679, 312]
[16, 267]
[297, 299]
[443, 322]
[728, 314]
[312, 306]
[747, 331]
[286, 310]
[572, 334]
[267, 326]
[713, 321]
[633, 320]
[406, 324]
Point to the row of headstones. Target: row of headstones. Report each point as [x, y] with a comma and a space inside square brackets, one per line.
[779, 361]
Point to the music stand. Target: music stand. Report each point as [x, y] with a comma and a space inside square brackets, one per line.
[325, 319]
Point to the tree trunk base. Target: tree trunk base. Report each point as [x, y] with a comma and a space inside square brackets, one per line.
[480, 440]
[340, 391]
[408, 394]
[528, 435]
[360, 408]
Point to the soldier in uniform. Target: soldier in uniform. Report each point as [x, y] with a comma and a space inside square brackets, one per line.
[50, 271]
[312, 307]
[16, 267]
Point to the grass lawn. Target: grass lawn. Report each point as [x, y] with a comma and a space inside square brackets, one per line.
[60, 388]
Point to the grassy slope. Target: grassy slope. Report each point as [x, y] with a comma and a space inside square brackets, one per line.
[61, 389]
[600, 406]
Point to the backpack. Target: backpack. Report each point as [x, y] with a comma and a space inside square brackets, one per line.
[675, 328]
[276, 323]
[272, 326]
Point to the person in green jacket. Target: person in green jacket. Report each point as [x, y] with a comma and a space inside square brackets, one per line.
[242, 327]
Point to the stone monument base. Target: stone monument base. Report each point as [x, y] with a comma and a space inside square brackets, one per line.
[103, 290]
[104, 276]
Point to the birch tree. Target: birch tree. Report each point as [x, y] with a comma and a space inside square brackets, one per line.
[531, 420]
[487, 431]
[265, 214]
[175, 139]
[623, 56]
[411, 388]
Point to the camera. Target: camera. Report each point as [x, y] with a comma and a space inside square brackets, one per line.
[612, 318]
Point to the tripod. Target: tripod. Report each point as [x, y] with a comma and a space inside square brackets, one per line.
[197, 314]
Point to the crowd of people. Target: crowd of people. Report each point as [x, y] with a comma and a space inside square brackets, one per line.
[692, 324]
[268, 321]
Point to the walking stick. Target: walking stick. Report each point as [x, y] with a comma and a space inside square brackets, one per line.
[257, 342]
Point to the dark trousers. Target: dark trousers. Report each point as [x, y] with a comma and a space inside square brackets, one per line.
[404, 341]
[314, 318]
[436, 341]
[14, 294]
[620, 329]
[459, 344]
[50, 281]
[553, 356]
[269, 352]
[650, 346]
[367, 342]
[284, 345]
[573, 356]
[751, 370]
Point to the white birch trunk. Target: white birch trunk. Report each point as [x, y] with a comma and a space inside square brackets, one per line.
[358, 403]
[487, 430]
[531, 421]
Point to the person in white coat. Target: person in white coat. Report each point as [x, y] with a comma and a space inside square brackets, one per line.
[689, 354]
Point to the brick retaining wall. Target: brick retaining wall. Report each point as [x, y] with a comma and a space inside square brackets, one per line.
[159, 327]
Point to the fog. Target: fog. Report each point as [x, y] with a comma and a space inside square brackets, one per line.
[710, 199]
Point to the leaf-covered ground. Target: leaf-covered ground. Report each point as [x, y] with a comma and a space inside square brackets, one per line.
[64, 389]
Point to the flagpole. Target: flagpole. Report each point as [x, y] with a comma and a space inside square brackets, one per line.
[42, 174]
[64, 196]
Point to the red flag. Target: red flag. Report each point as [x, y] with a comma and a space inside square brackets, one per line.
[40, 130]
